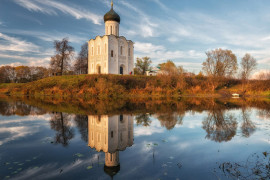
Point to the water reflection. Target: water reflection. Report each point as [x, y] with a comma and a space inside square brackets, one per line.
[248, 127]
[110, 134]
[169, 120]
[171, 134]
[61, 123]
[219, 125]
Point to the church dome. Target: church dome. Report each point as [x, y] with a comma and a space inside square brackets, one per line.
[112, 16]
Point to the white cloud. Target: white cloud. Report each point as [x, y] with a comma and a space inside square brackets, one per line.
[15, 44]
[52, 8]
[259, 73]
[160, 54]
[29, 61]
[149, 130]
[147, 47]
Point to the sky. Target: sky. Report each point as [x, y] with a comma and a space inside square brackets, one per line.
[179, 30]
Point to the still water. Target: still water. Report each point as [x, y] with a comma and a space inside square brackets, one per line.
[186, 139]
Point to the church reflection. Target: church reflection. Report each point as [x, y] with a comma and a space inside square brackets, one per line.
[110, 134]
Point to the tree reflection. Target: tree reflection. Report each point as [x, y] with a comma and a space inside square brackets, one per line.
[264, 113]
[143, 119]
[219, 126]
[169, 120]
[248, 127]
[82, 125]
[60, 122]
[19, 108]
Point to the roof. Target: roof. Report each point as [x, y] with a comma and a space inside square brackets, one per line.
[112, 15]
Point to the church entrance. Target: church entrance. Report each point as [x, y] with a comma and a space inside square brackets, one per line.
[99, 69]
[121, 70]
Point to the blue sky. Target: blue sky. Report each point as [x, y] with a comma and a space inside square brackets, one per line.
[180, 30]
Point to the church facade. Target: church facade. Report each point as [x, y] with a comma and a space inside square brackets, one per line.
[111, 53]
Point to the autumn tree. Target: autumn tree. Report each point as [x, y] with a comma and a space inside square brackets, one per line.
[81, 64]
[170, 68]
[219, 64]
[22, 74]
[142, 65]
[60, 62]
[9, 74]
[38, 73]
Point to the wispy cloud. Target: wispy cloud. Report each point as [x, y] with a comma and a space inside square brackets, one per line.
[146, 27]
[53, 7]
[9, 43]
[24, 60]
[161, 54]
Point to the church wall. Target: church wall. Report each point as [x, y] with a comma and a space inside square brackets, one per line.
[131, 57]
[123, 54]
[113, 61]
[98, 55]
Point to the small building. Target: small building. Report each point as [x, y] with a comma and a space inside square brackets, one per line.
[154, 71]
[235, 95]
[111, 53]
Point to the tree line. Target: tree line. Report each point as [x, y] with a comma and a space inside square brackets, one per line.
[219, 64]
[60, 64]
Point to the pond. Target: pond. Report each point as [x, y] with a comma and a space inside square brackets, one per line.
[182, 139]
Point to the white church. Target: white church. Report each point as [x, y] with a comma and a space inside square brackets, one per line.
[111, 53]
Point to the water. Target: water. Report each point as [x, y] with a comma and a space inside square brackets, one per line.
[185, 139]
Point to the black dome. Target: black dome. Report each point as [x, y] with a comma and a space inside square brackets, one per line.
[111, 171]
[112, 16]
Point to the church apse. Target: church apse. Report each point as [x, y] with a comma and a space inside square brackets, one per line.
[110, 134]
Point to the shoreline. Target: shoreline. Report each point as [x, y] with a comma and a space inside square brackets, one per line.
[118, 87]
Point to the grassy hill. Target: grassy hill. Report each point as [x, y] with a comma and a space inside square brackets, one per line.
[118, 86]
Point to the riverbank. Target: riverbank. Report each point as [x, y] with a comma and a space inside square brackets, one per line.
[116, 86]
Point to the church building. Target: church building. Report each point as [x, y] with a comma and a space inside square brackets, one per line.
[111, 53]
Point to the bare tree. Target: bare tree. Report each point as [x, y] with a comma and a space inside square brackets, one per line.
[81, 64]
[219, 64]
[64, 52]
[248, 64]
[60, 122]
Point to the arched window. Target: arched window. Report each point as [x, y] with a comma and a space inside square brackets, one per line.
[121, 118]
[121, 49]
[115, 30]
[98, 49]
[111, 30]
[111, 134]
[128, 51]
[111, 53]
